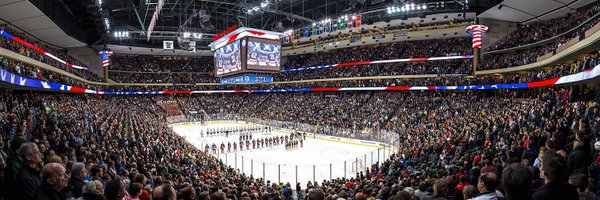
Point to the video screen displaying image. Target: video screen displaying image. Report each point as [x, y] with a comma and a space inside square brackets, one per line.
[228, 58]
[263, 55]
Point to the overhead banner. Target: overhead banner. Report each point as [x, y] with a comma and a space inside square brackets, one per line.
[154, 18]
[152, 24]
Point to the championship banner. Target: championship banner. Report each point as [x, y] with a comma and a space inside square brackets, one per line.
[305, 33]
[342, 24]
[349, 22]
[334, 25]
[320, 29]
[357, 21]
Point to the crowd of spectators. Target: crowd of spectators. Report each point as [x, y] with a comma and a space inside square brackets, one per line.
[571, 67]
[406, 49]
[162, 77]
[140, 63]
[507, 144]
[453, 145]
[29, 71]
[540, 74]
[25, 51]
[530, 33]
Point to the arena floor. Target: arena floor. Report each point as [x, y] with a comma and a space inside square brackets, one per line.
[327, 156]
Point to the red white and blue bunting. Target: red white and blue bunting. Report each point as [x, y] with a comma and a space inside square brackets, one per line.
[40, 50]
[8, 77]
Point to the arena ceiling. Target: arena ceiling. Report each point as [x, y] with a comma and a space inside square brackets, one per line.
[531, 11]
[134, 16]
[94, 22]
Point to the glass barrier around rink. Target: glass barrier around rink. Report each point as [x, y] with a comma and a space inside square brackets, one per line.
[284, 173]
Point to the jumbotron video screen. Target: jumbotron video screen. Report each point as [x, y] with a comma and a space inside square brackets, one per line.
[228, 58]
[248, 55]
[263, 54]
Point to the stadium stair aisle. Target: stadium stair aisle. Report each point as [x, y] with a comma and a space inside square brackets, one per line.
[263, 101]
[237, 110]
[391, 115]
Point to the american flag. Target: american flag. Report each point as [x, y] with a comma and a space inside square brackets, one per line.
[105, 55]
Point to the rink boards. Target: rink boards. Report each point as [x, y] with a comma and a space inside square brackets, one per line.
[322, 157]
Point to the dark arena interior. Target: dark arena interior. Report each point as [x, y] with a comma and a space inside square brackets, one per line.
[299, 99]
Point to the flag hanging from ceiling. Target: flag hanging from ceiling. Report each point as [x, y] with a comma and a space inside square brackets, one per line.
[105, 57]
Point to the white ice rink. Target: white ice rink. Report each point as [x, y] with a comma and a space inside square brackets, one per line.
[326, 155]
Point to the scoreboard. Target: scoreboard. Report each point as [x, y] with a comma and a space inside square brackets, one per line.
[247, 51]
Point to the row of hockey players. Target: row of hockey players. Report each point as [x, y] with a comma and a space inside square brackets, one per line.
[234, 130]
[256, 144]
[294, 144]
